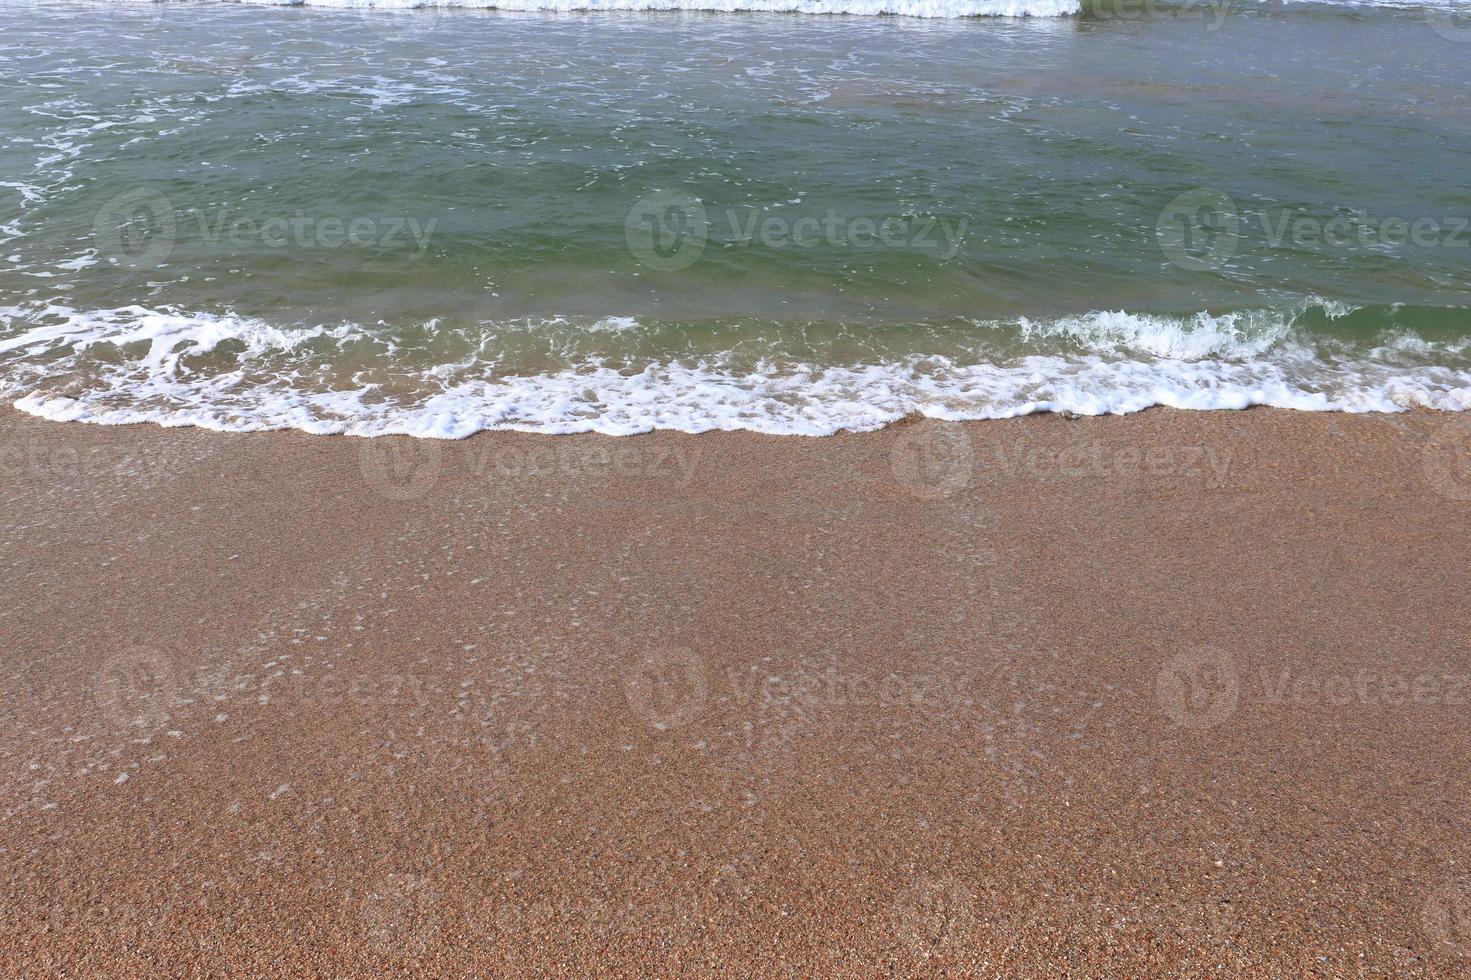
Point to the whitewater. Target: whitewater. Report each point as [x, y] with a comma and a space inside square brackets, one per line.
[607, 215]
[139, 363]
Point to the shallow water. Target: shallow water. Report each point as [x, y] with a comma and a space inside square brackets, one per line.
[448, 219]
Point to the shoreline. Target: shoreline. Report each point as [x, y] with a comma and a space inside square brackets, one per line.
[1170, 691]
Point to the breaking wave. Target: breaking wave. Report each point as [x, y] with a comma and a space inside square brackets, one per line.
[617, 376]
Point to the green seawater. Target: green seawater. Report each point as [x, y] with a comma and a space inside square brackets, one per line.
[442, 220]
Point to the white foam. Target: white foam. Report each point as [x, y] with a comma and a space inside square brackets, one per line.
[901, 8]
[1238, 334]
[941, 9]
[1112, 363]
[29, 193]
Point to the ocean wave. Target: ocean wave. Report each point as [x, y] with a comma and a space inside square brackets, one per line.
[229, 373]
[869, 8]
[932, 9]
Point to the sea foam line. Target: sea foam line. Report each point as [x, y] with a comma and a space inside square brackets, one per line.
[865, 8]
[147, 368]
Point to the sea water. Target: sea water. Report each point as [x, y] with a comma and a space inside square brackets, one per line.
[788, 216]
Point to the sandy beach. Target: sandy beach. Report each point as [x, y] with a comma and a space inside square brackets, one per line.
[1172, 693]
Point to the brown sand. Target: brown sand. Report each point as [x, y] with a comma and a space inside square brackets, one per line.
[1006, 698]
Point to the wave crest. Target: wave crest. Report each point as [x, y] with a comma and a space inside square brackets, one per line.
[233, 373]
[865, 8]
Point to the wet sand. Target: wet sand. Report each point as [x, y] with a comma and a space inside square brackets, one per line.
[1175, 693]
